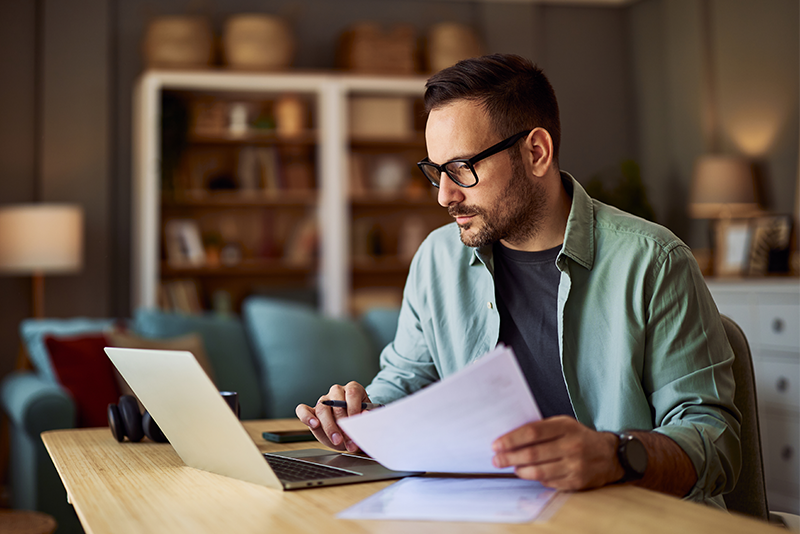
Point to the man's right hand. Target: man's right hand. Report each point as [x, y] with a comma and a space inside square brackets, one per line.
[322, 420]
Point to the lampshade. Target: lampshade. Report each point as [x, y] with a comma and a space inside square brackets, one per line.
[41, 238]
[722, 186]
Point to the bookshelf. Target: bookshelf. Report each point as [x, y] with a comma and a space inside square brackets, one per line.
[277, 183]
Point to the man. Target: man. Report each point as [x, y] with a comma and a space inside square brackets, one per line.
[608, 314]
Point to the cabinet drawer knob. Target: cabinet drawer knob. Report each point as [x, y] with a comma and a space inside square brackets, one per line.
[787, 452]
[777, 325]
[782, 384]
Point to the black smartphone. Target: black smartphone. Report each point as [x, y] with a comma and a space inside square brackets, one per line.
[288, 436]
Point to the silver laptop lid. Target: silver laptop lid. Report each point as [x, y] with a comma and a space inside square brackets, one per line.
[192, 414]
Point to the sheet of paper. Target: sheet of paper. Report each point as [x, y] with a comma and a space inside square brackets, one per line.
[494, 500]
[449, 426]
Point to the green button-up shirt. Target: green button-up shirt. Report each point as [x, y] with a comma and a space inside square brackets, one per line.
[640, 338]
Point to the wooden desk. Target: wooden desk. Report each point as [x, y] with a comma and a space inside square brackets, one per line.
[146, 488]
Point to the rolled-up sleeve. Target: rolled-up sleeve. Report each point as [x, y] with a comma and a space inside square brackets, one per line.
[689, 375]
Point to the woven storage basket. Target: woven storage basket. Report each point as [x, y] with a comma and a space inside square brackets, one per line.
[258, 42]
[178, 42]
[368, 48]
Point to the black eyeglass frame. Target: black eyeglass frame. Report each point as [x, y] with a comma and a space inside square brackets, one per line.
[470, 162]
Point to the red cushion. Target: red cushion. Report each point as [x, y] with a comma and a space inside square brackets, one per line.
[83, 368]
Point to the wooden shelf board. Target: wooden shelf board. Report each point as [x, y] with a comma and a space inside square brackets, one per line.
[394, 200]
[238, 199]
[414, 140]
[389, 264]
[263, 267]
[270, 138]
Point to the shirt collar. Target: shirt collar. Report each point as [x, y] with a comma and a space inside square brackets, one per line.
[579, 235]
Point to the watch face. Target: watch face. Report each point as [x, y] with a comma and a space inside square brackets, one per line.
[636, 455]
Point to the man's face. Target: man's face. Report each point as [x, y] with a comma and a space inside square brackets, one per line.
[506, 204]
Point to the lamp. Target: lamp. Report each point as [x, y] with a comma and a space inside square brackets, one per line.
[722, 187]
[41, 238]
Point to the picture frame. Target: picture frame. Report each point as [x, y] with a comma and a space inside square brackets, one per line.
[732, 238]
[770, 245]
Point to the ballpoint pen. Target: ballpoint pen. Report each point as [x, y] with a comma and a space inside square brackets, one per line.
[343, 404]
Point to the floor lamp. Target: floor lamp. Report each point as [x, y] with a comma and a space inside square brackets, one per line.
[39, 239]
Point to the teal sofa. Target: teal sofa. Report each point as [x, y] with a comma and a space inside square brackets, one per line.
[278, 354]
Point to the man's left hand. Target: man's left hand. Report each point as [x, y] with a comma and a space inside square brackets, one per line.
[560, 453]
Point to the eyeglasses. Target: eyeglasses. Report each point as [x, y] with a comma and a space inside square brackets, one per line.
[462, 171]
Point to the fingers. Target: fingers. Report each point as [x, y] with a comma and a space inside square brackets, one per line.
[308, 416]
[541, 431]
[532, 453]
[322, 420]
[558, 452]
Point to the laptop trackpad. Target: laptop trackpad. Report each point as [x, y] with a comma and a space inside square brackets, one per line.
[333, 459]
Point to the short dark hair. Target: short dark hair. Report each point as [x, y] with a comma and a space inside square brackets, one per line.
[515, 93]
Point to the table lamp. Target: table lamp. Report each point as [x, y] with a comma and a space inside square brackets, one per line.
[39, 239]
[723, 187]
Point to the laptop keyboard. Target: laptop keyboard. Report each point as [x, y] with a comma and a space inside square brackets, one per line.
[294, 470]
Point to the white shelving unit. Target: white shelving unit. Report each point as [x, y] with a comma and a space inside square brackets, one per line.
[331, 93]
[768, 311]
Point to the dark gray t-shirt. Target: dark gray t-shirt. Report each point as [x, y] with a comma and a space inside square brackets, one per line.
[526, 286]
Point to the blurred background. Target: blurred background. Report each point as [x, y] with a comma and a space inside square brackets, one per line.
[186, 154]
[645, 88]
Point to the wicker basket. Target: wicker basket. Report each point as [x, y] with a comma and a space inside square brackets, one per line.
[179, 42]
[449, 43]
[368, 48]
[258, 42]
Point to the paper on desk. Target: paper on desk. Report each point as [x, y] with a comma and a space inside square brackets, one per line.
[495, 500]
[449, 426]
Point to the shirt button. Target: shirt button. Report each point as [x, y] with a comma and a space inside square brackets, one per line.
[489, 305]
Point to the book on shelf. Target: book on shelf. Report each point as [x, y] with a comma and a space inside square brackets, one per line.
[199, 168]
[358, 182]
[301, 245]
[208, 117]
[413, 233]
[257, 170]
[183, 243]
[180, 296]
[297, 168]
[248, 170]
[269, 166]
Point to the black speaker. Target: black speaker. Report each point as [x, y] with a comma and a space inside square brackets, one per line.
[125, 420]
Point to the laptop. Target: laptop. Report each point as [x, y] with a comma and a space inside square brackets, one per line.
[207, 435]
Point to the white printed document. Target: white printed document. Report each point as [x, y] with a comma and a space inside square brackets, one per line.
[449, 426]
[493, 500]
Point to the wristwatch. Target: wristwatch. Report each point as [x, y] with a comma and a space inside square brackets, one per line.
[632, 457]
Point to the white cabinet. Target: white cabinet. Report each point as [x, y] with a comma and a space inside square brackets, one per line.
[329, 139]
[769, 313]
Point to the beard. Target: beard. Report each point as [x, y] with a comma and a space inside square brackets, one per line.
[515, 217]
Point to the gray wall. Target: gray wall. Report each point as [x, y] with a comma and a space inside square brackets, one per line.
[630, 82]
[751, 78]
[54, 144]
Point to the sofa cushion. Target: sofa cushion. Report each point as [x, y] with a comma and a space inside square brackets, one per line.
[301, 353]
[226, 346]
[33, 331]
[381, 325]
[84, 370]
